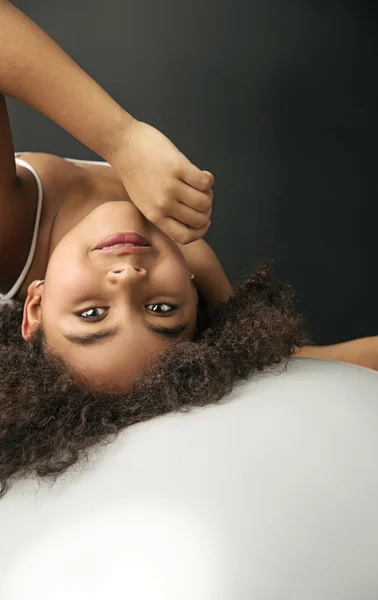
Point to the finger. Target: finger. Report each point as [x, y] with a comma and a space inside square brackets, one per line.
[210, 178]
[188, 216]
[201, 201]
[181, 233]
[193, 176]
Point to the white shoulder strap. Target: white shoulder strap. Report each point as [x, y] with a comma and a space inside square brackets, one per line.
[12, 292]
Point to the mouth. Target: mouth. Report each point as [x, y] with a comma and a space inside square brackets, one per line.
[121, 249]
[130, 240]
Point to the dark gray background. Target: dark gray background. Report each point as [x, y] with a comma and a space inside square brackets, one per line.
[278, 98]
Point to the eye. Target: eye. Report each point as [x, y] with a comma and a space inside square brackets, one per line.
[90, 317]
[94, 317]
[171, 308]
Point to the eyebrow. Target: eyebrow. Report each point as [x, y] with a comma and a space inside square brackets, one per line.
[93, 338]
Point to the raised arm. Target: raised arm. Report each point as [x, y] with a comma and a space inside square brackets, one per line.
[36, 71]
[168, 189]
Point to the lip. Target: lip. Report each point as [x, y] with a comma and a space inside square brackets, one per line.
[130, 238]
[124, 249]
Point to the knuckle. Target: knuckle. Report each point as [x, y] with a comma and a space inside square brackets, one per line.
[153, 215]
[169, 187]
[203, 186]
[208, 180]
[149, 214]
[206, 204]
[202, 222]
[205, 208]
[176, 168]
[205, 182]
[162, 203]
[185, 238]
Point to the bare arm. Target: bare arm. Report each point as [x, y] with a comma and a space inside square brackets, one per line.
[36, 71]
[212, 281]
[362, 352]
[167, 188]
[210, 277]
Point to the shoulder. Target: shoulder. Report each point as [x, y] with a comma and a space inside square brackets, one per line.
[49, 167]
[19, 210]
[58, 178]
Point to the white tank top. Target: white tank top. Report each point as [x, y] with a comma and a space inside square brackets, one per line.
[17, 285]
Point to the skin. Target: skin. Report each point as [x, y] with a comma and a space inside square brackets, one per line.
[78, 279]
[60, 90]
[75, 232]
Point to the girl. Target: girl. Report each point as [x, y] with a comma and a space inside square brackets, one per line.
[96, 335]
[67, 207]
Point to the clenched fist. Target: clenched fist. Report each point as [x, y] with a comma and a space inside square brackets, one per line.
[163, 184]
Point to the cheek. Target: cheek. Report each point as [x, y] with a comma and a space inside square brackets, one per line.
[176, 272]
[65, 272]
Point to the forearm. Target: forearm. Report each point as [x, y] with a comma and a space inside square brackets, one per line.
[36, 71]
[210, 278]
[362, 352]
[220, 291]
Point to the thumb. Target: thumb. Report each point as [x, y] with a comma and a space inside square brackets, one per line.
[201, 180]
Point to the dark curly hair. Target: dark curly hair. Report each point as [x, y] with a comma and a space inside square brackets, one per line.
[49, 418]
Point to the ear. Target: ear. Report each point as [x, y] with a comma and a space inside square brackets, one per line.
[32, 312]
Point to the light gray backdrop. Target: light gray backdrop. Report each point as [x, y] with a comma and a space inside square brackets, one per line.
[278, 98]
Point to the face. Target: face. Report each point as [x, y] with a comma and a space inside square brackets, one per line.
[136, 304]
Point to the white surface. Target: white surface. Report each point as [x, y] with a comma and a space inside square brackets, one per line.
[272, 495]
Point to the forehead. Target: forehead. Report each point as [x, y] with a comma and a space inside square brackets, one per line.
[117, 361]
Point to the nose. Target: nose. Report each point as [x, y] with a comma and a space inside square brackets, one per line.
[127, 274]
